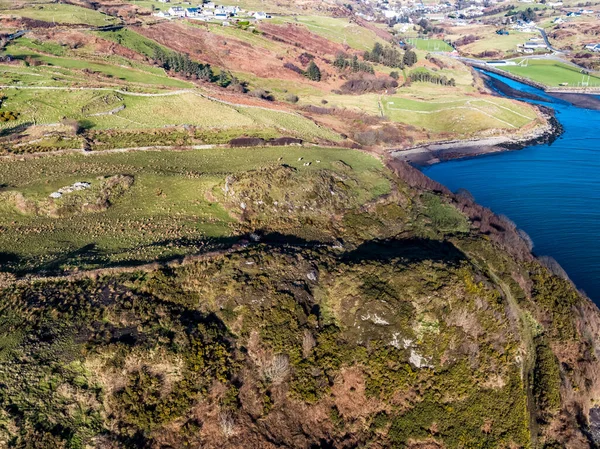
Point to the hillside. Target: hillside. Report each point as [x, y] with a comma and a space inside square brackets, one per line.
[333, 317]
[205, 241]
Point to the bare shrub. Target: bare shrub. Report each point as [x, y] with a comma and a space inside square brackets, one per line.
[368, 83]
[7, 279]
[293, 68]
[227, 423]
[465, 40]
[73, 124]
[464, 195]
[554, 267]
[262, 94]
[525, 237]
[308, 343]
[277, 369]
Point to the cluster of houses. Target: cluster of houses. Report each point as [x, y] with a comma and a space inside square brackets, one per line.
[208, 12]
[525, 26]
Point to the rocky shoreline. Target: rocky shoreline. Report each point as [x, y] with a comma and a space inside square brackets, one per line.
[458, 149]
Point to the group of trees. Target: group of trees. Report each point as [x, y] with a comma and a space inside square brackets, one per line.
[526, 15]
[181, 63]
[313, 72]
[343, 62]
[428, 77]
[390, 56]
[387, 56]
[427, 27]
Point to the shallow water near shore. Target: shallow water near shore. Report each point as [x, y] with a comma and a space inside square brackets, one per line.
[550, 191]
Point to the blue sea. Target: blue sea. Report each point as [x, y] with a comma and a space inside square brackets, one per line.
[552, 192]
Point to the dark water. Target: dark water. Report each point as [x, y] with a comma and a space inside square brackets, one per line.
[550, 191]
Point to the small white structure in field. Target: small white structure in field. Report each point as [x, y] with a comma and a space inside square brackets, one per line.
[81, 185]
[55, 195]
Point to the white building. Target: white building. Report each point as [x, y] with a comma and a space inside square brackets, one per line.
[176, 11]
[261, 16]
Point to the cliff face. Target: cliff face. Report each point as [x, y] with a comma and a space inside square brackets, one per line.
[415, 319]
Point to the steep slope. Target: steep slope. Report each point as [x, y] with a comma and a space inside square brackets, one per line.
[415, 319]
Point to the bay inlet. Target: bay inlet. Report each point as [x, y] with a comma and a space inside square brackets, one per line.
[551, 191]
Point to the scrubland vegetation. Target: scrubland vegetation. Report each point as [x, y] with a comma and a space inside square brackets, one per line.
[212, 294]
[360, 297]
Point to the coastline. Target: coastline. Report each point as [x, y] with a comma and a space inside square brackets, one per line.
[429, 154]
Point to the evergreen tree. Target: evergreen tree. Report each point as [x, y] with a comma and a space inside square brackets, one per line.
[410, 58]
[313, 72]
[355, 66]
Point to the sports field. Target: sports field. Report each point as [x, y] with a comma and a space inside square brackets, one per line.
[552, 73]
[429, 44]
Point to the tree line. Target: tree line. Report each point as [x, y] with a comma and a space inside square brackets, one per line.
[181, 63]
[343, 62]
[428, 77]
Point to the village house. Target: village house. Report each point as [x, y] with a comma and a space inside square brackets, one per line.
[176, 11]
[261, 16]
[534, 44]
[193, 12]
[593, 47]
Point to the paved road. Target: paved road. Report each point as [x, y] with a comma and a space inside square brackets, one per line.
[545, 37]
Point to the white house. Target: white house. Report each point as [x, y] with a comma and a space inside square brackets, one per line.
[261, 16]
[193, 12]
[593, 47]
[558, 20]
[176, 11]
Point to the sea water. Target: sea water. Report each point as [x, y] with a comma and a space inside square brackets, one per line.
[552, 191]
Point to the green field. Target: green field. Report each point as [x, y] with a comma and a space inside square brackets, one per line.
[498, 43]
[131, 74]
[60, 13]
[174, 206]
[338, 30]
[551, 73]
[429, 44]
[461, 116]
[131, 40]
[92, 108]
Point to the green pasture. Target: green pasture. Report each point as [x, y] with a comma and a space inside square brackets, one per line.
[133, 73]
[95, 109]
[338, 30]
[462, 116]
[61, 13]
[175, 206]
